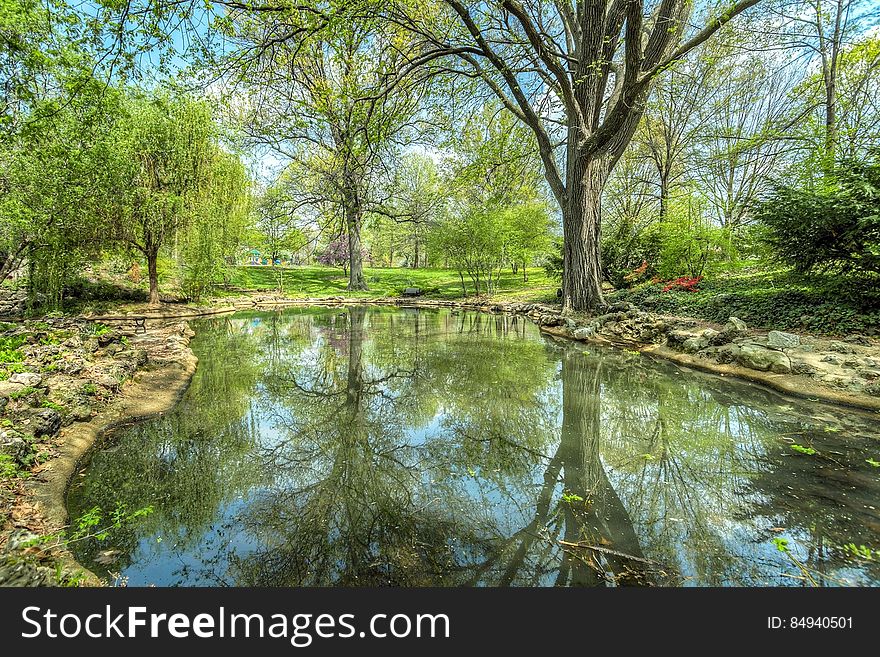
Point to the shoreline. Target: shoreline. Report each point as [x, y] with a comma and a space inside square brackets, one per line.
[789, 383]
[156, 390]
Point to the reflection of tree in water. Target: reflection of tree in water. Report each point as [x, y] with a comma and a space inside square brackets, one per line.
[374, 504]
[706, 470]
[185, 464]
[389, 446]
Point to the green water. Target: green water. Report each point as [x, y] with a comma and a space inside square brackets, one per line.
[409, 447]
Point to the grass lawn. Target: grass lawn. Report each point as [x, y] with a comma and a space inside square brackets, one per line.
[319, 282]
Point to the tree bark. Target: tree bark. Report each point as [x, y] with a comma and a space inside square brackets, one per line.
[664, 195]
[581, 226]
[153, 271]
[356, 280]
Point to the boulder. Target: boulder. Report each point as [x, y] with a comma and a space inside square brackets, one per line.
[841, 347]
[695, 344]
[584, 333]
[14, 445]
[760, 358]
[570, 324]
[81, 413]
[7, 388]
[676, 339]
[27, 379]
[735, 325]
[727, 354]
[782, 340]
[45, 422]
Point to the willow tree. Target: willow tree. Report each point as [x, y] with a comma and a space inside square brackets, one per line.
[165, 150]
[578, 75]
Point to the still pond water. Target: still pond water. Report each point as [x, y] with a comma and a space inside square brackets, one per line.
[388, 446]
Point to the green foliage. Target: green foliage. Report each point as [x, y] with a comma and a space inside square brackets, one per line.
[24, 392]
[9, 352]
[8, 467]
[862, 552]
[772, 298]
[834, 226]
[800, 449]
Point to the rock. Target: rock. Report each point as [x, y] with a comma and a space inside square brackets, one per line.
[81, 413]
[782, 340]
[106, 380]
[584, 333]
[27, 379]
[800, 367]
[676, 339]
[782, 366]
[14, 445]
[7, 388]
[873, 389]
[109, 337]
[621, 307]
[858, 338]
[757, 357]
[570, 324]
[735, 325]
[727, 354]
[73, 366]
[841, 347]
[45, 422]
[695, 344]
[3, 402]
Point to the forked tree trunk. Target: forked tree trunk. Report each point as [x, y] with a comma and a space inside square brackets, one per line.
[581, 225]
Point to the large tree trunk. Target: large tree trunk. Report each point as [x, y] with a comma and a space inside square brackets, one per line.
[153, 269]
[353, 216]
[581, 226]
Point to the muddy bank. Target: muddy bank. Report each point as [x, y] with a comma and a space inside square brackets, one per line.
[71, 380]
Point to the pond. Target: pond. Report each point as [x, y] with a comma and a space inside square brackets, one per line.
[410, 447]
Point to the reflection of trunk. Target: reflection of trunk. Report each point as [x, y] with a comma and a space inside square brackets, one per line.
[599, 520]
[355, 379]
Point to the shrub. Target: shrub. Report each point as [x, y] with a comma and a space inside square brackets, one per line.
[835, 226]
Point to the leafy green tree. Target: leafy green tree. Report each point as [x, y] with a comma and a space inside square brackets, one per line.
[316, 97]
[834, 225]
[578, 76]
[218, 227]
[165, 149]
